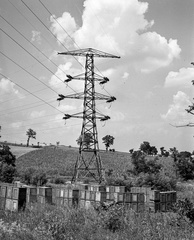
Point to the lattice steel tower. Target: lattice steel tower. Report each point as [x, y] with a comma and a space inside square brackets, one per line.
[88, 162]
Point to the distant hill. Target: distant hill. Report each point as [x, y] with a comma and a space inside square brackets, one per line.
[62, 159]
[19, 150]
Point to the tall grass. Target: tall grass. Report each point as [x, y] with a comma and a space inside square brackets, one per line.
[62, 223]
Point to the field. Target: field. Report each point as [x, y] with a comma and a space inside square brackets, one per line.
[61, 160]
[58, 223]
[19, 151]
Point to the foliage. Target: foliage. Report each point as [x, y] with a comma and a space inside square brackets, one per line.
[7, 165]
[86, 140]
[185, 166]
[157, 181]
[185, 208]
[51, 223]
[31, 134]
[141, 164]
[108, 140]
[114, 218]
[147, 149]
[164, 152]
[58, 180]
[33, 176]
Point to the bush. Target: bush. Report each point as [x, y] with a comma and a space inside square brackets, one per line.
[7, 165]
[143, 165]
[157, 181]
[58, 180]
[34, 177]
[8, 173]
[113, 218]
[185, 167]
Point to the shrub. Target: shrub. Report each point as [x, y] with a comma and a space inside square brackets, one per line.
[58, 180]
[7, 165]
[185, 167]
[143, 165]
[34, 176]
[157, 181]
[113, 218]
[8, 172]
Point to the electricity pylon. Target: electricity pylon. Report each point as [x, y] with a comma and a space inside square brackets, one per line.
[88, 162]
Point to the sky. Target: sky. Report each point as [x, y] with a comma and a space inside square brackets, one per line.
[151, 80]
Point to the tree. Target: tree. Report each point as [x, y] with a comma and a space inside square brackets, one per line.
[131, 150]
[31, 134]
[86, 140]
[143, 165]
[153, 150]
[164, 153]
[145, 147]
[185, 166]
[7, 165]
[108, 140]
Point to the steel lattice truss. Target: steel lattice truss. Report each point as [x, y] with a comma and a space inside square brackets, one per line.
[88, 162]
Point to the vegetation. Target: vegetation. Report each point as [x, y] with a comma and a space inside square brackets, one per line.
[7, 165]
[31, 134]
[51, 223]
[108, 140]
[147, 149]
[86, 140]
[33, 176]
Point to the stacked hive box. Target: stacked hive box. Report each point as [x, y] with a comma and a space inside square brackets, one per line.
[62, 196]
[31, 195]
[44, 195]
[3, 192]
[135, 200]
[152, 198]
[15, 198]
[167, 199]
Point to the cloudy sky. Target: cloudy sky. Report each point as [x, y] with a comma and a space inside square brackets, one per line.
[151, 80]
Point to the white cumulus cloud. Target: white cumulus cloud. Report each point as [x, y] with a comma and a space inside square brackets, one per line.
[6, 86]
[176, 112]
[63, 27]
[119, 27]
[181, 78]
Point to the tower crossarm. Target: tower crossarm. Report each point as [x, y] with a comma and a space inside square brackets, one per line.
[89, 51]
[99, 116]
[96, 77]
[191, 108]
[96, 96]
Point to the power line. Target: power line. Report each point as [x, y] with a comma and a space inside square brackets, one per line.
[31, 43]
[31, 56]
[53, 120]
[31, 93]
[24, 108]
[28, 21]
[27, 71]
[43, 129]
[59, 24]
[48, 29]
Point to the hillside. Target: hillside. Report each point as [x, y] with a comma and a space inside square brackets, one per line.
[19, 151]
[62, 159]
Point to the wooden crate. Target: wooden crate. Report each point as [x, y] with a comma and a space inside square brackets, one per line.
[3, 191]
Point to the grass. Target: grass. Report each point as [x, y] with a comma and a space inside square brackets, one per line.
[61, 160]
[51, 223]
[19, 151]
